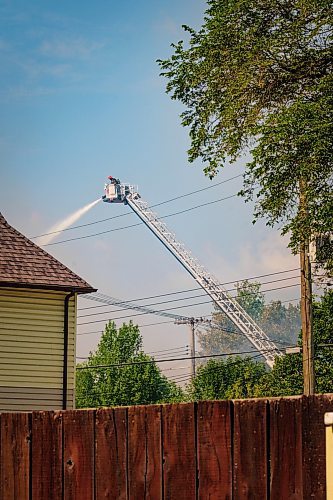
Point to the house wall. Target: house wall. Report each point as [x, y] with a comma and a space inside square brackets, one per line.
[31, 349]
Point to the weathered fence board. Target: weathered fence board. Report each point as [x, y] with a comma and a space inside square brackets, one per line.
[250, 449]
[144, 452]
[15, 456]
[78, 432]
[179, 452]
[110, 454]
[46, 456]
[245, 449]
[285, 427]
[314, 463]
[214, 450]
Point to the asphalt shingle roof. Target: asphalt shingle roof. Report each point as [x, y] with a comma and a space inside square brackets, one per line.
[25, 264]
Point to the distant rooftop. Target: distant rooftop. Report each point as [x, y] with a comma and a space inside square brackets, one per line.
[23, 264]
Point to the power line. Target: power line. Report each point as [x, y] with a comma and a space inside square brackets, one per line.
[171, 349]
[221, 367]
[159, 357]
[179, 379]
[184, 377]
[171, 322]
[129, 305]
[148, 362]
[174, 349]
[174, 368]
[94, 393]
[141, 223]
[181, 298]
[183, 352]
[140, 326]
[168, 322]
[131, 213]
[160, 312]
[226, 330]
[89, 296]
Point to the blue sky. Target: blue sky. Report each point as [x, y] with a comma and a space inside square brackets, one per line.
[81, 98]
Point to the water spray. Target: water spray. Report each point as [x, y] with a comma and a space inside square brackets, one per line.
[61, 226]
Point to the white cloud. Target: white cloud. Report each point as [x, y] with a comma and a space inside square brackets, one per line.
[35, 69]
[75, 48]
[21, 91]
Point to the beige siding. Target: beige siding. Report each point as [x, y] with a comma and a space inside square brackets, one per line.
[31, 349]
[32, 398]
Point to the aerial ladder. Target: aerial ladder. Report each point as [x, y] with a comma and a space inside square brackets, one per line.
[117, 192]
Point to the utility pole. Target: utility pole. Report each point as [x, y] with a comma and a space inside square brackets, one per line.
[306, 318]
[306, 304]
[192, 322]
[192, 348]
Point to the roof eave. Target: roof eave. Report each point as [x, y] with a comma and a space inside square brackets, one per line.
[60, 288]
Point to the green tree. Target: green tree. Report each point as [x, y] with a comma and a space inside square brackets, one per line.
[239, 377]
[286, 378]
[251, 298]
[234, 377]
[279, 321]
[141, 383]
[223, 336]
[258, 77]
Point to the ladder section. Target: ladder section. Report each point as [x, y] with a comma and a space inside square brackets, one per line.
[240, 318]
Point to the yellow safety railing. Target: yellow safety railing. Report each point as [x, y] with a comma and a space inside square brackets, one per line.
[329, 455]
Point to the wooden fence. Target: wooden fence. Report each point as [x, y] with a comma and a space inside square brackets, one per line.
[243, 449]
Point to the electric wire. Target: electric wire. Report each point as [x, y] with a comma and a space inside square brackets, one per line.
[174, 368]
[160, 356]
[160, 312]
[181, 298]
[146, 325]
[216, 367]
[129, 305]
[88, 296]
[179, 375]
[142, 223]
[139, 326]
[179, 379]
[189, 377]
[169, 360]
[175, 349]
[226, 330]
[131, 213]
[94, 393]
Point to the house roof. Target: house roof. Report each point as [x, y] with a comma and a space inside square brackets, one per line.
[23, 264]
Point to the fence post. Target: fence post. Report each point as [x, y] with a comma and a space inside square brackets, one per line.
[328, 419]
